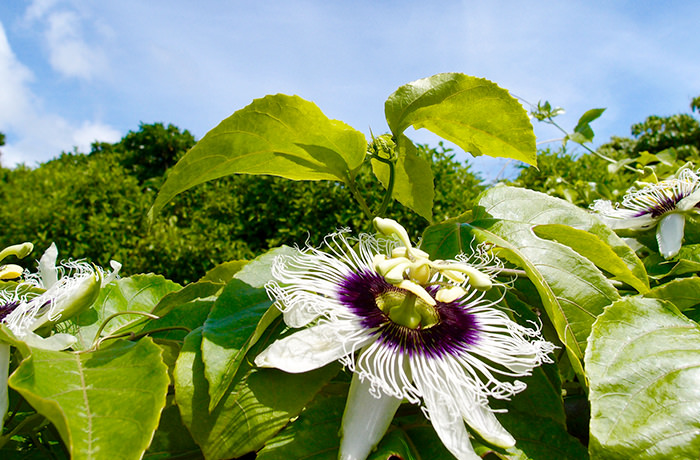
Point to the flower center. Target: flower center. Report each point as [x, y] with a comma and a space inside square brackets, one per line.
[407, 309]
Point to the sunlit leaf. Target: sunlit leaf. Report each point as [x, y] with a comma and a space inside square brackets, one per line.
[103, 403]
[474, 113]
[594, 249]
[643, 363]
[684, 293]
[278, 135]
[523, 205]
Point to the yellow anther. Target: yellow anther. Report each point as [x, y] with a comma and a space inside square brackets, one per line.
[10, 272]
[420, 271]
[418, 290]
[475, 278]
[450, 294]
[391, 269]
[452, 275]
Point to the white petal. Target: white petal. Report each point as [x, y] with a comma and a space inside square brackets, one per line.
[303, 351]
[47, 267]
[689, 202]
[365, 420]
[4, 373]
[482, 420]
[630, 223]
[449, 426]
[669, 235]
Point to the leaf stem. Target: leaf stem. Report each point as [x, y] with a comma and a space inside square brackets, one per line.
[361, 201]
[111, 317]
[390, 186]
[594, 152]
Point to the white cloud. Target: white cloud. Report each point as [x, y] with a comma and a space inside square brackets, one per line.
[32, 135]
[70, 55]
[91, 131]
[64, 29]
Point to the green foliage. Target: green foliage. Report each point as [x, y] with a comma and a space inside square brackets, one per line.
[94, 404]
[94, 207]
[166, 370]
[150, 151]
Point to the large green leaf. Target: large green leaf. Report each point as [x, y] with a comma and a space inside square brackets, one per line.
[573, 291]
[474, 113]
[105, 403]
[279, 135]
[135, 293]
[594, 249]
[257, 404]
[239, 317]
[643, 362]
[413, 178]
[237, 320]
[523, 205]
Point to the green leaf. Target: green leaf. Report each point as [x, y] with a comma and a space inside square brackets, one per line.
[106, 402]
[135, 293]
[235, 323]
[474, 113]
[523, 205]
[239, 317]
[594, 249]
[572, 290]
[200, 290]
[278, 135]
[413, 180]
[643, 362]
[583, 131]
[171, 439]
[223, 273]
[684, 293]
[314, 435]
[258, 403]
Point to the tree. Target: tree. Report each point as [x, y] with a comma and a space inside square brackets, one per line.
[150, 151]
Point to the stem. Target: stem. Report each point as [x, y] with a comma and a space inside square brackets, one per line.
[111, 317]
[594, 152]
[389, 187]
[356, 193]
[133, 336]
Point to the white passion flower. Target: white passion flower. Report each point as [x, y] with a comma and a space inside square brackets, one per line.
[409, 328]
[67, 289]
[665, 203]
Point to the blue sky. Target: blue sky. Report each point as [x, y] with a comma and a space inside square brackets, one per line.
[72, 71]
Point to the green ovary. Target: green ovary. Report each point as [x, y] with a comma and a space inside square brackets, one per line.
[406, 309]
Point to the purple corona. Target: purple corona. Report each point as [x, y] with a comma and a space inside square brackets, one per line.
[409, 328]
